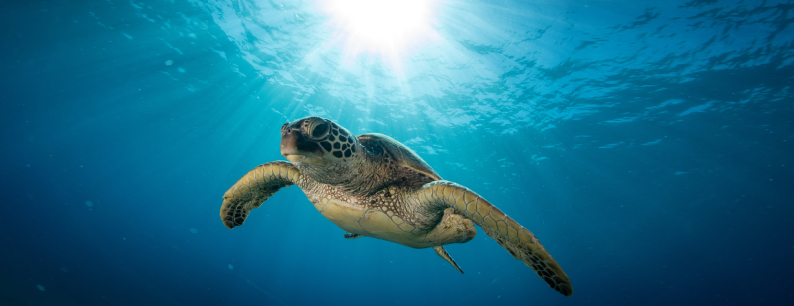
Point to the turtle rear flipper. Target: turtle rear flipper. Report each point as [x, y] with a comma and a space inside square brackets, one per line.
[443, 253]
[254, 188]
[517, 240]
[349, 235]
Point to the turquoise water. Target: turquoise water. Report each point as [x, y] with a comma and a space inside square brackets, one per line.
[647, 144]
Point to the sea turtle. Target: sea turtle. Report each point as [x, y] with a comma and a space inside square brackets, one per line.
[374, 186]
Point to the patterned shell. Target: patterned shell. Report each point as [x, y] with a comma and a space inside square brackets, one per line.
[403, 156]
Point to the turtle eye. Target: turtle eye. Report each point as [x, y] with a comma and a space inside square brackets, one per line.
[318, 129]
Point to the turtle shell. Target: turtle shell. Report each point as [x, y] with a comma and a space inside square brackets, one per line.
[406, 159]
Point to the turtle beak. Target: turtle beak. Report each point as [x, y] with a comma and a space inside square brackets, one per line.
[299, 149]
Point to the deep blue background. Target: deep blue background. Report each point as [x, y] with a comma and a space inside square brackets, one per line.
[647, 145]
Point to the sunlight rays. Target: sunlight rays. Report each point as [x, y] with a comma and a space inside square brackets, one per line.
[388, 30]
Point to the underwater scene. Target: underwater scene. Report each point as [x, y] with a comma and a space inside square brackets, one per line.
[394, 153]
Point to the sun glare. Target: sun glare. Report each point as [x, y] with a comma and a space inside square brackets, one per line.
[384, 27]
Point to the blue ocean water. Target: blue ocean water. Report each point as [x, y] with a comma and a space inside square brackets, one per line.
[648, 145]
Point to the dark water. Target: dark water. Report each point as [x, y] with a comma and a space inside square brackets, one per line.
[648, 144]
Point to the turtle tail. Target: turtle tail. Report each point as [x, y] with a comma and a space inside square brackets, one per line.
[517, 240]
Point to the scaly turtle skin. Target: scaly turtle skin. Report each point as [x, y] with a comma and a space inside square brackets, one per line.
[374, 186]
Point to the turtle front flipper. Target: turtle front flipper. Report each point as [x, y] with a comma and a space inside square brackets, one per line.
[254, 188]
[517, 240]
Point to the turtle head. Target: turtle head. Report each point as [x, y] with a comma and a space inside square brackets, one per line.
[321, 149]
